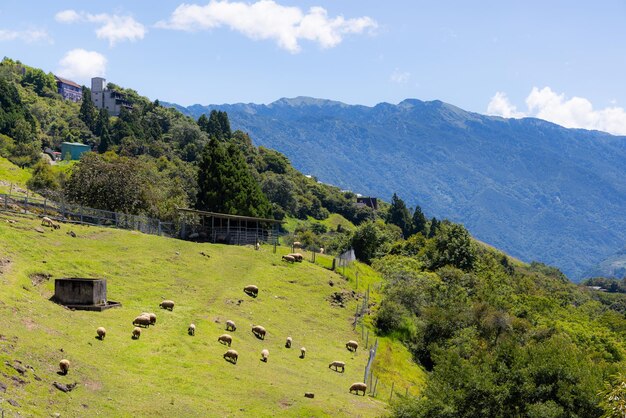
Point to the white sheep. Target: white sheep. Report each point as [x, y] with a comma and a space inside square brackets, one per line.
[296, 256]
[191, 329]
[167, 304]
[297, 244]
[225, 339]
[230, 325]
[302, 352]
[102, 332]
[45, 221]
[352, 345]
[265, 353]
[152, 317]
[288, 342]
[289, 258]
[259, 331]
[321, 250]
[251, 290]
[356, 387]
[136, 333]
[64, 365]
[232, 356]
[337, 364]
[142, 320]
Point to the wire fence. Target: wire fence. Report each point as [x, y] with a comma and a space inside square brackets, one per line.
[68, 212]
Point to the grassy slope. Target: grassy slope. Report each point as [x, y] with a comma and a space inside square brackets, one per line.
[11, 174]
[166, 372]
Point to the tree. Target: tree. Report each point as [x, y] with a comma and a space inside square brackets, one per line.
[226, 185]
[88, 112]
[433, 227]
[418, 222]
[102, 130]
[451, 245]
[43, 179]
[399, 215]
[108, 182]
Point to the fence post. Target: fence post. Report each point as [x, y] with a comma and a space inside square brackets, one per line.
[6, 201]
[45, 210]
[367, 338]
[375, 385]
[391, 394]
[357, 281]
[160, 228]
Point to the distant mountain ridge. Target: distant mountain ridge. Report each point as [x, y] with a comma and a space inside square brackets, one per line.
[532, 188]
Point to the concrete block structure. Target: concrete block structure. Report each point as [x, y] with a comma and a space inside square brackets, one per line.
[104, 98]
[82, 293]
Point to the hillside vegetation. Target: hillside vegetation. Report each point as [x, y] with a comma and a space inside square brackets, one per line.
[166, 372]
[531, 188]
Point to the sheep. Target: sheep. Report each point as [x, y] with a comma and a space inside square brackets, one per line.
[288, 342]
[225, 339]
[45, 221]
[232, 356]
[297, 244]
[102, 332]
[296, 256]
[352, 345]
[257, 246]
[321, 250]
[356, 387]
[136, 333]
[191, 329]
[230, 325]
[251, 290]
[302, 352]
[64, 365]
[152, 317]
[265, 353]
[259, 331]
[167, 304]
[289, 258]
[142, 320]
[337, 364]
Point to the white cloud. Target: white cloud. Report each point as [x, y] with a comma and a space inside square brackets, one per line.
[400, 77]
[67, 16]
[266, 19]
[81, 65]
[576, 112]
[28, 36]
[113, 28]
[501, 106]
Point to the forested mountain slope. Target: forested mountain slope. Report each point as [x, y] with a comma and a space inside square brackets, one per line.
[534, 189]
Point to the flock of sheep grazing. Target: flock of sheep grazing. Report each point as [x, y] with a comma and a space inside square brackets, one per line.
[144, 320]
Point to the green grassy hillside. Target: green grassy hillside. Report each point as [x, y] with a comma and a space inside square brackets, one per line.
[12, 178]
[166, 372]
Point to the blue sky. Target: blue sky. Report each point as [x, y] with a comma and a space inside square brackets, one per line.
[560, 60]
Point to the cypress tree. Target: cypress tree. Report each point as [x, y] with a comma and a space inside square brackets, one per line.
[222, 117]
[103, 130]
[88, 111]
[434, 226]
[419, 221]
[226, 185]
[399, 215]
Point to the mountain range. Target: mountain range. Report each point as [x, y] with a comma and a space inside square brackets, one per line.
[529, 187]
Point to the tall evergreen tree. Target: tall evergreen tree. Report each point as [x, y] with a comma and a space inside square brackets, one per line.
[103, 130]
[226, 185]
[399, 215]
[222, 117]
[419, 222]
[434, 226]
[88, 112]
[203, 123]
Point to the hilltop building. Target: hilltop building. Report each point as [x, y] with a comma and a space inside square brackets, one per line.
[371, 202]
[104, 98]
[68, 89]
